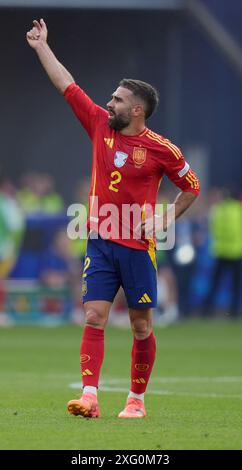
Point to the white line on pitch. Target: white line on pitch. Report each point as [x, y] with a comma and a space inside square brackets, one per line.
[228, 379]
[113, 385]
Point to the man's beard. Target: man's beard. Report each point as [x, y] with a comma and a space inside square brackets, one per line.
[118, 122]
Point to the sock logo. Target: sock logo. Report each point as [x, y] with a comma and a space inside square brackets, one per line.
[142, 367]
[84, 358]
[139, 381]
[87, 372]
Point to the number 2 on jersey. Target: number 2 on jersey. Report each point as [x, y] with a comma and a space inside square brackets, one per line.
[116, 175]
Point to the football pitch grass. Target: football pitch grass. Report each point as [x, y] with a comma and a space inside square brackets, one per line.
[194, 400]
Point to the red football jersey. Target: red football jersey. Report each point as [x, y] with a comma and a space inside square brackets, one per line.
[127, 169]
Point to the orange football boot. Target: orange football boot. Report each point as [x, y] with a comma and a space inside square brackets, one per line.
[134, 408]
[86, 405]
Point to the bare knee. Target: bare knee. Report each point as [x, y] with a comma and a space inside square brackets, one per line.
[96, 313]
[141, 328]
[94, 318]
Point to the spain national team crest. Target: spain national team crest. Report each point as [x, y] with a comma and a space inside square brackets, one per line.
[139, 156]
[84, 287]
[120, 159]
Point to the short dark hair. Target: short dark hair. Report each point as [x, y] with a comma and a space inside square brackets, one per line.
[143, 90]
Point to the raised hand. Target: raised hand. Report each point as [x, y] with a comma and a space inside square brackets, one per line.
[58, 74]
[37, 34]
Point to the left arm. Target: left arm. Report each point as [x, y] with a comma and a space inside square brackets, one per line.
[181, 203]
[179, 172]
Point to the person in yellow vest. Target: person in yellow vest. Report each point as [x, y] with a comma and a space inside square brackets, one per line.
[12, 225]
[225, 226]
[38, 195]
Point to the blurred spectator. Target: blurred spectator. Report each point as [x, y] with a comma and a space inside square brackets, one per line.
[81, 196]
[58, 266]
[225, 227]
[37, 194]
[11, 227]
[26, 196]
[184, 263]
[167, 295]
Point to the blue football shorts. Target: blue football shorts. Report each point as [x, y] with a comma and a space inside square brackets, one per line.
[109, 265]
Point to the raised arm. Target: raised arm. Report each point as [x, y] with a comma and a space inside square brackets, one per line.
[37, 39]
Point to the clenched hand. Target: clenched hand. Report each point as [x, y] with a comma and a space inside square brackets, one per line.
[37, 34]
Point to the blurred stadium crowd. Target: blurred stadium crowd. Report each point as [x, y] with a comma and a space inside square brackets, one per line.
[40, 267]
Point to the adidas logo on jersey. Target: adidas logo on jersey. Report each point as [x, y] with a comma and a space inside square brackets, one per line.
[109, 142]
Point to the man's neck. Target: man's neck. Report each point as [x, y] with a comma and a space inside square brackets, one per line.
[133, 129]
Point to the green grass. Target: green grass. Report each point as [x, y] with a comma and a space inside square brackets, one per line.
[190, 405]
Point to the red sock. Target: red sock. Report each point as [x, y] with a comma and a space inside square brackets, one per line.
[143, 357]
[91, 355]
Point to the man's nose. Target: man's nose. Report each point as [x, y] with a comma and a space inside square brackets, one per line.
[109, 104]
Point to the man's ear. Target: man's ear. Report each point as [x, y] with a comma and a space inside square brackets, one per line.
[138, 110]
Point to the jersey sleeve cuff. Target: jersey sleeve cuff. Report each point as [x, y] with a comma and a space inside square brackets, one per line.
[70, 90]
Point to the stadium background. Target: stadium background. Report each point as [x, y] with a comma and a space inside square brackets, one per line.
[164, 46]
[198, 75]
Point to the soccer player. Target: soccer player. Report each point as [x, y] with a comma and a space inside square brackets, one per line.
[129, 161]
